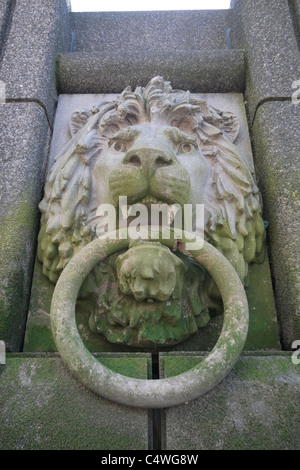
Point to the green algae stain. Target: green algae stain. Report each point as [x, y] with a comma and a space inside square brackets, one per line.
[17, 234]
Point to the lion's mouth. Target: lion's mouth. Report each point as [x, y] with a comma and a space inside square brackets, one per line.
[159, 212]
[148, 211]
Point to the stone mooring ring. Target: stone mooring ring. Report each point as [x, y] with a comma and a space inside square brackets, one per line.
[134, 392]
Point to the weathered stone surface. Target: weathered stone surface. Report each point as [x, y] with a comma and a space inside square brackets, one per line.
[38, 336]
[262, 335]
[255, 408]
[5, 7]
[297, 8]
[263, 331]
[110, 72]
[276, 150]
[266, 33]
[150, 31]
[68, 104]
[38, 31]
[24, 143]
[43, 408]
[263, 328]
[295, 13]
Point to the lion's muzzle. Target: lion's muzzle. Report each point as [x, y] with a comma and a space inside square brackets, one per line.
[149, 159]
[150, 169]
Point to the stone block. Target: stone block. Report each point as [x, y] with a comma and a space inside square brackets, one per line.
[150, 31]
[256, 407]
[5, 10]
[263, 328]
[24, 141]
[297, 5]
[110, 72]
[276, 151]
[43, 407]
[295, 13]
[38, 32]
[265, 31]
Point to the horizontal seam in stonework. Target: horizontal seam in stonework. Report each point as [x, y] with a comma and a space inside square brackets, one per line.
[253, 353]
[270, 99]
[31, 100]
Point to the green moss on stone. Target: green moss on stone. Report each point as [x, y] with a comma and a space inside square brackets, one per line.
[42, 407]
[17, 234]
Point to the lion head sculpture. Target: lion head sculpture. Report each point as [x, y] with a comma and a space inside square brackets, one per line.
[153, 146]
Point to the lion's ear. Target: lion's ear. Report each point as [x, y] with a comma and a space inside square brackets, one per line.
[78, 120]
[230, 125]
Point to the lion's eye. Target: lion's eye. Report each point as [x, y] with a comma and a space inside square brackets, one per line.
[186, 147]
[119, 146]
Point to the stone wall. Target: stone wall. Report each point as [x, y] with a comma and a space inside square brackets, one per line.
[46, 50]
[269, 34]
[32, 35]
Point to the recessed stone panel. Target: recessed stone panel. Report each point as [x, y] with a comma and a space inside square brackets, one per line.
[263, 331]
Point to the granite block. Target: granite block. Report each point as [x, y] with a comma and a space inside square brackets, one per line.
[150, 31]
[24, 139]
[197, 71]
[5, 9]
[38, 32]
[297, 4]
[43, 407]
[277, 159]
[265, 31]
[295, 13]
[256, 407]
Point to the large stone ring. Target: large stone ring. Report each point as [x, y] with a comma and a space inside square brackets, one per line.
[149, 393]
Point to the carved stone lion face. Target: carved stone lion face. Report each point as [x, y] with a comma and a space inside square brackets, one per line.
[152, 146]
[158, 164]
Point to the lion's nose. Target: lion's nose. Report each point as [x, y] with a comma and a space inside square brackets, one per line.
[148, 160]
